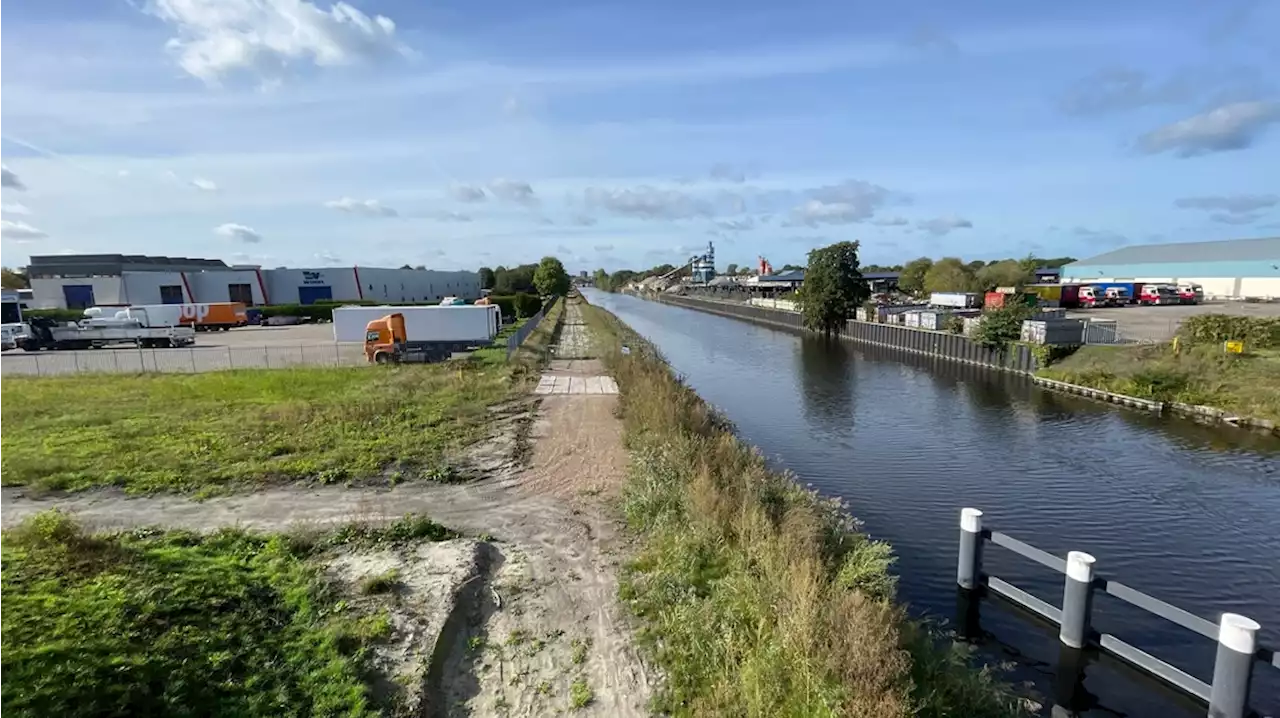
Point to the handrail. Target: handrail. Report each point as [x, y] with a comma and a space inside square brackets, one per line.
[1237, 636]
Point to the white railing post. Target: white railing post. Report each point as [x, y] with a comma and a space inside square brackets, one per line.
[1077, 600]
[969, 567]
[1233, 667]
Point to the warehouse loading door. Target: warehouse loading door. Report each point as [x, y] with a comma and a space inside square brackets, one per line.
[171, 294]
[78, 296]
[242, 293]
[311, 295]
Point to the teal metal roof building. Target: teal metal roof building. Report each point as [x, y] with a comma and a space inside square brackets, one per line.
[1235, 268]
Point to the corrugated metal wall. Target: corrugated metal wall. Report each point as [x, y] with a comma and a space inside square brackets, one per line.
[915, 341]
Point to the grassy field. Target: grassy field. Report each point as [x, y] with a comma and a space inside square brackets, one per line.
[173, 623]
[161, 431]
[755, 596]
[1248, 384]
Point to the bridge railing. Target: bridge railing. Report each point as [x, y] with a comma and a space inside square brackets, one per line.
[1227, 695]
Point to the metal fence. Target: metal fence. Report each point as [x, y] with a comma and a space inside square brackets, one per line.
[890, 336]
[184, 360]
[1227, 696]
[517, 338]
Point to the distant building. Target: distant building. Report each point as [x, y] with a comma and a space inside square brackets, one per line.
[78, 281]
[1239, 268]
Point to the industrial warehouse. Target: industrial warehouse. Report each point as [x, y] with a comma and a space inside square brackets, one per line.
[80, 281]
[1233, 269]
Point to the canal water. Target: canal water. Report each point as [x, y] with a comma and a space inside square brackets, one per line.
[1187, 513]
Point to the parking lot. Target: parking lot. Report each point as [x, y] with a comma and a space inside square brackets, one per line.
[1160, 323]
[246, 347]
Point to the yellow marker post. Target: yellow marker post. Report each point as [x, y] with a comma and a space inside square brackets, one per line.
[1233, 347]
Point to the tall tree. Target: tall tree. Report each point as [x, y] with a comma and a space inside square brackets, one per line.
[550, 277]
[601, 279]
[514, 280]
[13, 279]
[487, 278]
[833, 287]
[731, 269]
[911, 279]
[949, 274]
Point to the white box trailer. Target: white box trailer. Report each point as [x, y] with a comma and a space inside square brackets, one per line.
[461, 323]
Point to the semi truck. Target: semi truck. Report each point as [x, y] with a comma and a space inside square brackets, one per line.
[204, 317]
[425, 322]
[100, 332]
[427, 336]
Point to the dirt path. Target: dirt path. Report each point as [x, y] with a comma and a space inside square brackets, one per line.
[529, 623]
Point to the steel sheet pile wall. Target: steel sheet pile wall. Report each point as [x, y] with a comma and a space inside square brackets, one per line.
[916, 341]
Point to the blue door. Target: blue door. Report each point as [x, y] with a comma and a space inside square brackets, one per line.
[311, 295]
[78, 296]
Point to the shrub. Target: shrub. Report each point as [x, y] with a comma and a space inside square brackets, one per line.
[999, 327]
[527, 305]
[506, 303]
[1255, 332]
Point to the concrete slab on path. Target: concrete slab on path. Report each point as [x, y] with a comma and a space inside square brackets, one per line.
[552, 384]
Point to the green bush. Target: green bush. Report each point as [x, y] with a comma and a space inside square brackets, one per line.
[506, 303]
[1255, 332]
[1001, 326]
[527, 305]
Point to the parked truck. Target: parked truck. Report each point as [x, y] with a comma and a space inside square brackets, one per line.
[1131, 290]
[956, 300]
[1066, 296]
[426, 336]
[203, 317]
[97, 332]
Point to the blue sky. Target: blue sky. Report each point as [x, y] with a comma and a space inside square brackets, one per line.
[459, 134]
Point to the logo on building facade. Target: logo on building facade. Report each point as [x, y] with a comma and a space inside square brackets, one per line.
[312, 277]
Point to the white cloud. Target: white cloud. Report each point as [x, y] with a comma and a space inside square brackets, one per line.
[603, 247]
[15, 208]
[647, 202]
[943, 225]
[892, 222]
[201, 183]
[264, 38]
[513, 191]
[1232, 204]
[724, 172]
[815, 212]
[20, 232]
[10, 180]
[231, 230]
[1235, 126]
[468, 193]
[327, 257]
[452, 217]
[584, 220]
[366, 207]
[736, 225]
[1224, 218]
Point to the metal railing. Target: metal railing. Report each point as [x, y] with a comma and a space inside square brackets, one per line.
[1227, 696]
[181, 360]
[518, 336]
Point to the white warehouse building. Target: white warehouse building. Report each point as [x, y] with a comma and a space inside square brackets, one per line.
[78, 281]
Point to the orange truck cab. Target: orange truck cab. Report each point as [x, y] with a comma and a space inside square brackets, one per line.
[386, 342]
[382, 339]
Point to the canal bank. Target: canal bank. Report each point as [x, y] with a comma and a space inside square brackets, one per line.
[908, 440]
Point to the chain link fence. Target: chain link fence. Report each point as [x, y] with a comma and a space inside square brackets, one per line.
[518, 336]
[184, 360]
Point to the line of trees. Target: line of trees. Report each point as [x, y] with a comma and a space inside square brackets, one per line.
[547, 277]
[951, 274]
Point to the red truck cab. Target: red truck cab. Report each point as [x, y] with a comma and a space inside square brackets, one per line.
[1190, 293]
[1158, 294]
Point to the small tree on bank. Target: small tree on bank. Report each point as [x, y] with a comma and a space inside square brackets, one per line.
[550, 278]
[833, 287]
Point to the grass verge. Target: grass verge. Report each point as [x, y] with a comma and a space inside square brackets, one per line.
[153, 432]
[229, 429]
[755, 596]
[1247, 384]
[153, 622]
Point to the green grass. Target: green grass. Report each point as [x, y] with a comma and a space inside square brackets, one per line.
[174, 623]
[377, 583]
[186, 432]
[1248, 385]
[580, 695]
[755, 596]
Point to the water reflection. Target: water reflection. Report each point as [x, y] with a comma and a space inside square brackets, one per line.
[826, 383]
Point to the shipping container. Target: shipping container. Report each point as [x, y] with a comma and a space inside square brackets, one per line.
[1053, 332]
